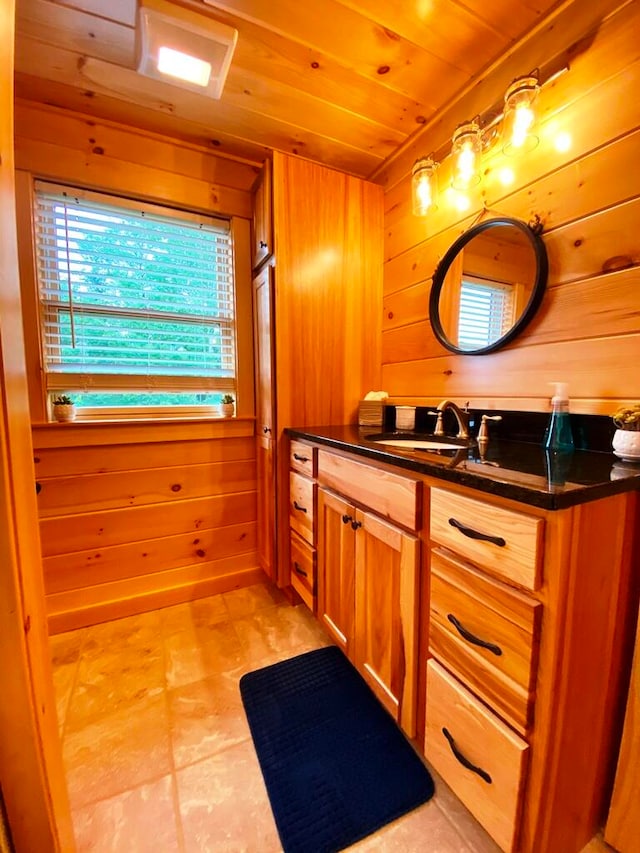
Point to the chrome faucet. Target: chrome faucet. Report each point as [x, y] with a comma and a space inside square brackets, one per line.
[461, 417]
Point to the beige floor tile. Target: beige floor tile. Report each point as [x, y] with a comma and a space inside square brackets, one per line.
[112, 679]
[460, 817]
[250, 599]
[423, 829]
[118, 751]
[206, 717]
[276, 633]
[193, 614]
[224, 805]
[197, 654]
[65, 648]
[141, 820]
[139, 631]
[65, 659]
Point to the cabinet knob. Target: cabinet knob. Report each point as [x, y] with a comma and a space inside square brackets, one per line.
[346, 519]
[266, 430]
[356, 524]
[263, 245]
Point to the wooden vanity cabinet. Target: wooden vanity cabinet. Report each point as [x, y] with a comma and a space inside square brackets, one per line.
[368, 576]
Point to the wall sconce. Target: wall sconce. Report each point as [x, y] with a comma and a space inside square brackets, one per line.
[423, 185]
[466, 150]
[519, 116]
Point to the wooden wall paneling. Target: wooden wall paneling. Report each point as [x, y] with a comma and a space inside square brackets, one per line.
[601, 370]
[64, 534]
[92, 492]
[97, 170]
[78, 131]
[78, 608]
[409, 305]
[163, 430]
[133, 559]
[59, 462]
[34, 795]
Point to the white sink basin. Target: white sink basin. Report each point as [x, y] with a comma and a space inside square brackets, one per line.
[416, 443]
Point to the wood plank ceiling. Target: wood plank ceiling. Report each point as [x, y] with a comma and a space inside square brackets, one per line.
[343, 83]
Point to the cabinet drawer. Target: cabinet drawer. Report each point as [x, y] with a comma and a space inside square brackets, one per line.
[486, 633]
[504, 542]
[302, 500]
[477, 755]
[303, 570]
[387, 494]
[303, 458]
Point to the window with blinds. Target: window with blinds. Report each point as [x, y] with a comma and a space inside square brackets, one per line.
[137, 301]
[486, 312]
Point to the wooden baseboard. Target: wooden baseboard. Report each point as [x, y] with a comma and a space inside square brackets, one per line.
[69, 619]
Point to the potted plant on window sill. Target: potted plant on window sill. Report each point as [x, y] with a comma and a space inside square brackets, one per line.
[64, 409]
[626, 439]
[227, 406]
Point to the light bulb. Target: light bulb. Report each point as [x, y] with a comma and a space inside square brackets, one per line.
[423, 189]
[519, 116]
[466, 150]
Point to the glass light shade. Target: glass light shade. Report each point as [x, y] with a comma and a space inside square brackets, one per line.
[518, 127]
[466, 150]
[423, 186]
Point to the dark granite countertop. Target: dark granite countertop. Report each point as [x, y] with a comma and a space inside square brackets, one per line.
[517, 470]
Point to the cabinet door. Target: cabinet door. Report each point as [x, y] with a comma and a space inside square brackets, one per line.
[386, 629]
[262, 216]
[266, 505]
[336, 564]
[263, 334]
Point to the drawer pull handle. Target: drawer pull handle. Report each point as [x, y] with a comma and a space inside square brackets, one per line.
[475, 534]
[346, 519]
[299, 458]
[471, 637]
[465, 761]
[300, 570]
[356, 524]
[298, 507]
[266, 430]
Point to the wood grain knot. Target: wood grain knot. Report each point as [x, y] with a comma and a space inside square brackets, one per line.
[201, 553]
[384, 69]
[176, 487]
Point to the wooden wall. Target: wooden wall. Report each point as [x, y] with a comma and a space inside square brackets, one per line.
[137, 515]
[587, 331]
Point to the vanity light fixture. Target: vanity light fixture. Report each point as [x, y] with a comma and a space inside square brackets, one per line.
[179, 46]
[518, 124]
[423, 185]
[466, 150]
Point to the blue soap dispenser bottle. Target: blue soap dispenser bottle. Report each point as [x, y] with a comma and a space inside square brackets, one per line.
[558, 436]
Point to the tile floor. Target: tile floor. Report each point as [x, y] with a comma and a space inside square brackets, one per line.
[156, 744]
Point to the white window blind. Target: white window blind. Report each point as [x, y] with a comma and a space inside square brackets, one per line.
[486, 312]
[133, 296]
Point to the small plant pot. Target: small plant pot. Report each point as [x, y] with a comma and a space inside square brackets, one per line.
[626, 444]
[226, 409]
[64, 412]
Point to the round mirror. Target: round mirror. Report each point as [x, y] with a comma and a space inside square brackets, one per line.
[488, 286]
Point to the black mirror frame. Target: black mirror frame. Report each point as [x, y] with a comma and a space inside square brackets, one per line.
[542, 270]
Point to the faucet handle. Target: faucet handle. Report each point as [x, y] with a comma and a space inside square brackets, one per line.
[439, 428]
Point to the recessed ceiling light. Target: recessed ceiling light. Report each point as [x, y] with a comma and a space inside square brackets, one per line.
[183, 47]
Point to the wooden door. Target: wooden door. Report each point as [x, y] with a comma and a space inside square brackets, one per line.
[386, 626]
[262, 216]
[266, 487]
[263, 334]
[336, 564]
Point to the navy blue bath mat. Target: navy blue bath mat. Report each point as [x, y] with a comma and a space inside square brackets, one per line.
[335, 764]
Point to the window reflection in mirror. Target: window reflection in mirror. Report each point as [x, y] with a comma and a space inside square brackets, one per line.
[488, 284]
